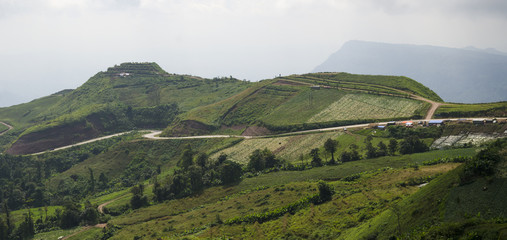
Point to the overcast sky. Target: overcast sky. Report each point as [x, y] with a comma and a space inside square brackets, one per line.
[50, 45]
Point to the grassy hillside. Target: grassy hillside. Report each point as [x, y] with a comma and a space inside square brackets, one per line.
[26, 114]
[498, 109]
[197, 216]
[125, 97]
[468, 201]
[374, 83]
[289, 101]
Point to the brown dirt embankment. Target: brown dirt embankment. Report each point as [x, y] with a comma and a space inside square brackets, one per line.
[53, 138]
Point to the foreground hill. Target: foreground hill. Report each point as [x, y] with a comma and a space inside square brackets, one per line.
[457, 75]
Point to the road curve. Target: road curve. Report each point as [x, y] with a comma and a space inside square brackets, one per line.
[8, 126]
[153, 134]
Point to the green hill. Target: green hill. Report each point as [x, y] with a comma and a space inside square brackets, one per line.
[115, 101]
[291, 102]
[125, 97]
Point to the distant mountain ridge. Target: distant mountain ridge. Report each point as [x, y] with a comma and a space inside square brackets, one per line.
[467, 75]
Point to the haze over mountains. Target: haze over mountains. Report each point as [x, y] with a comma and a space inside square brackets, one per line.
[468, 75]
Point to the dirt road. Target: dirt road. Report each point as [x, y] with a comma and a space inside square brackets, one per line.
[8, 126]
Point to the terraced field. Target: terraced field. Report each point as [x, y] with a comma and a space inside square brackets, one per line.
[365, 106]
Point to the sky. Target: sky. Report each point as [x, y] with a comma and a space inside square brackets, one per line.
[50, 45]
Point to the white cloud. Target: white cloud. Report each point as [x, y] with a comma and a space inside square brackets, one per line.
[244, 38]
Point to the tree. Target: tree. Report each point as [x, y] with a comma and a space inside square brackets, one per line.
[180, 186]
[138, 199]
[26, 229]
[92, 180]
[382, 149]
[256, 162]
[103, 180]
[371, 151]
[3, 229]
[90, 215]
[260, 160]
[270, 160]
[70, 215]
[221, 159]
[330, 145]
[187, 157]
[195, 175]
[325, 191]
[316, 161]
[8, 223]
[230, 172]
[393, 146]
[412, 144]
[202, 160]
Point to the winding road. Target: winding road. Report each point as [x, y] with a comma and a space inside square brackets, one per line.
[153, 134]
[8, 126]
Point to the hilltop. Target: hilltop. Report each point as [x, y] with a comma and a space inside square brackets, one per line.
[457, 75]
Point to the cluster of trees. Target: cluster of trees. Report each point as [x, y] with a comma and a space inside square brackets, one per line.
[196, 172]
[483, 164]
[262, 159]
[411, 144]
[72, 214]
[23, 177]
[400, 132]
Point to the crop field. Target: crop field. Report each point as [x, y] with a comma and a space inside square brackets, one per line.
[364, 106]
[288, 148]
[303, 106]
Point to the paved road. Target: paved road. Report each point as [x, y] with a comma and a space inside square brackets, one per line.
[81, 143]
[153, 134]
[8, 126]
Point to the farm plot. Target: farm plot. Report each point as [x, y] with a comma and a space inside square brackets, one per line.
[364, 106]
[288, 148]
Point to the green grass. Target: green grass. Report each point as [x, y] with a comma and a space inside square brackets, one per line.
[445, 206]
[211, 114]
[23, 115]
[18, 216]
[175, 217]
[89, 234]
[3, 128]
[349, 168]
[497, 109]
[56, 234]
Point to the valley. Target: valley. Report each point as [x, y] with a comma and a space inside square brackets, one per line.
[155, 155]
